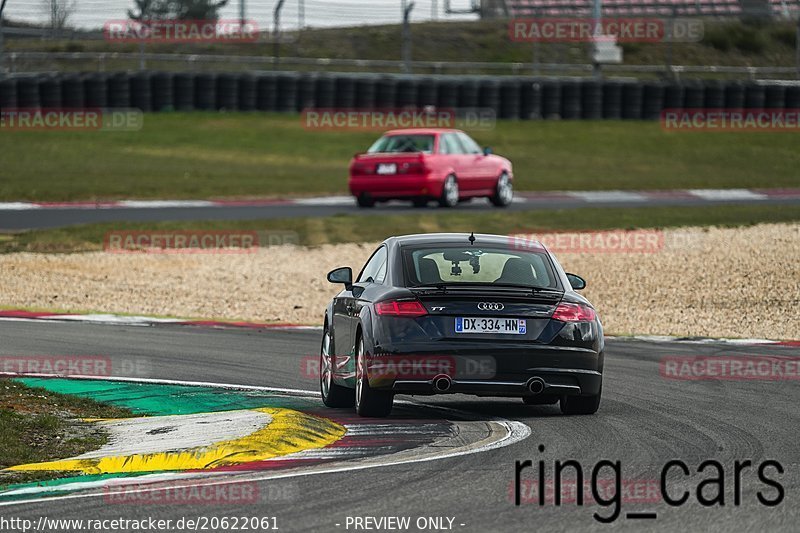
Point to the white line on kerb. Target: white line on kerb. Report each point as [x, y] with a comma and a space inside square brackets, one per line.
[18, 206]
[727, 194]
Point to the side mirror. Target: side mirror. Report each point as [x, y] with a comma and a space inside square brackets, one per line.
[487, 151]
[342, 275]
[577, 282]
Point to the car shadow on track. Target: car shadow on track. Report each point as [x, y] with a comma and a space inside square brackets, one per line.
[486, 408]
[424, 409]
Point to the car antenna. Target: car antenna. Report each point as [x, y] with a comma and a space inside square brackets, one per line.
[472, 238]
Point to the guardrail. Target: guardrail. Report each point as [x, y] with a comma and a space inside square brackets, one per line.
[104, 61]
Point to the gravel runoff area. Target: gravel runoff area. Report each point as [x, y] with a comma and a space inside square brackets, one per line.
[718, 282]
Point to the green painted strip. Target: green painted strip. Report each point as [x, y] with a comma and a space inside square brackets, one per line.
[59, 482]
[158, 400]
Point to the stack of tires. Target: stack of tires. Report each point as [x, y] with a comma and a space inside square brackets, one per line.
[183, 91]
[49, 92]
[571, 104]
[267, 92]
[509, 98]
[385, 92]
[592, 100]
[8, 93]
[551, 99]
[119, 90]
[141, 91]
[345, 92]
[365, 88]
[162, 92]
[28, 93]
[247, 92]
[612, 100]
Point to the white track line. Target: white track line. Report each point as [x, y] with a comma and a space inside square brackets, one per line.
[586, 196]
[609, 196]
[160, 204]
[17, 206]
[124, 320]
[683, 340]
[326, 200]
[727, 194]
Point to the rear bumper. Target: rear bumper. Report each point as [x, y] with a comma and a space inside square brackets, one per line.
[557, 382]
[490, 370]
[385, 188]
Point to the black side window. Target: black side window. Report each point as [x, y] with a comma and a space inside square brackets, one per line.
[375, 269]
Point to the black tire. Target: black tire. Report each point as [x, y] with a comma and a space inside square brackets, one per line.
[364, 200]
[420, 202]
[369, 402]
[581, 405]
[540, 400]
[449, 197]
[503, 191]
[333, 395]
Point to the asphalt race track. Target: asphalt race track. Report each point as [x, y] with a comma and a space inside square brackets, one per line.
[13, 218]
[645, 420]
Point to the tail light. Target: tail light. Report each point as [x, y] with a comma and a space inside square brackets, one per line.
[568, 312]
[359, 169]
[416, 167]
[404, 308]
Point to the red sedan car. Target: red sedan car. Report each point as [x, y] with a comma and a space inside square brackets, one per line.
[420, 165]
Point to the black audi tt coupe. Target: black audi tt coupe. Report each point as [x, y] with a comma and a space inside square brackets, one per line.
[486, 315]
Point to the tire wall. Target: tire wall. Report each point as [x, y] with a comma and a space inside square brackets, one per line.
[510, 98]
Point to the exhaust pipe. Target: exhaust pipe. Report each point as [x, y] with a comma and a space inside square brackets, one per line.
[536, 385]
[441, 383]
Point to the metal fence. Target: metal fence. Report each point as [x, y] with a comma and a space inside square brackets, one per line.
[551, 59]
[20, 62]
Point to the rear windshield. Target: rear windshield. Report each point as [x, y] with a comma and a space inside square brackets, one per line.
[478, 265]
[402, 143]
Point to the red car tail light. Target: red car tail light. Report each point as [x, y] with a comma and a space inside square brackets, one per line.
[359, 169]
[568, 312]
[404, 308]
[416, 167]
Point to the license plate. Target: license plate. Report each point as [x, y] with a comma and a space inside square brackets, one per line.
[509, 326]
[386, 168]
